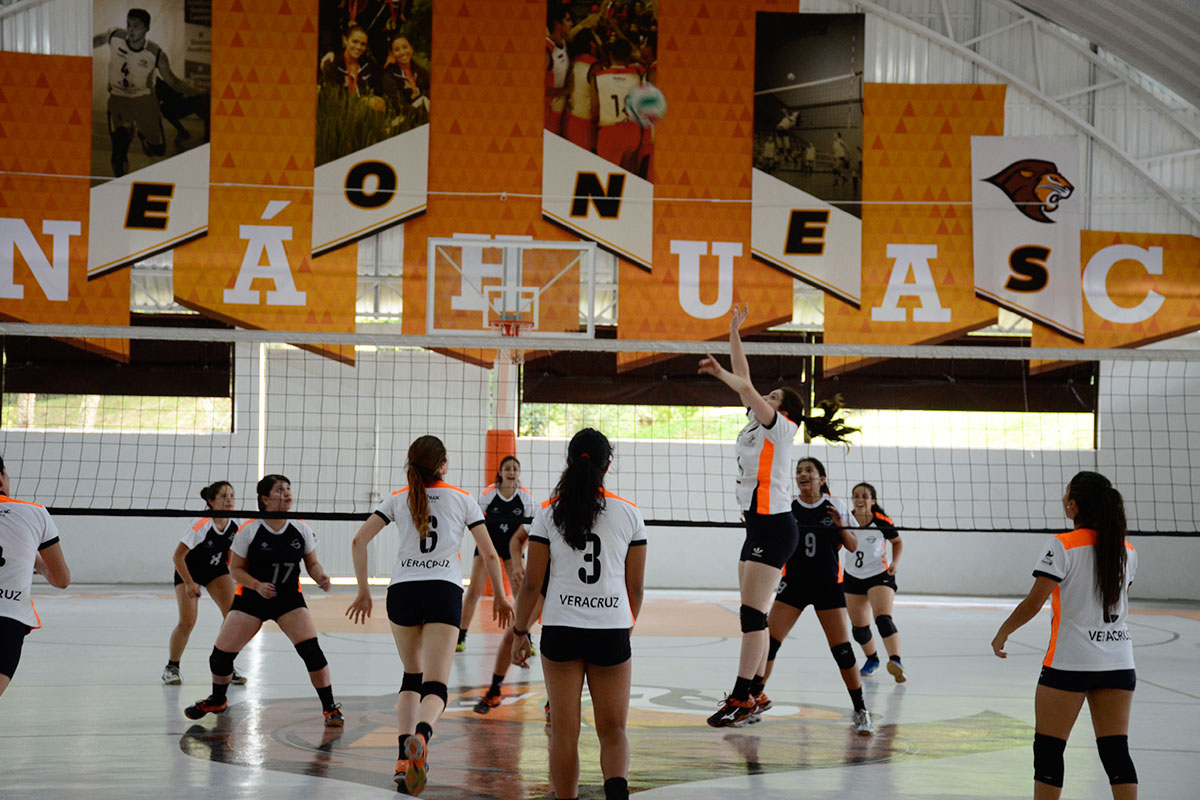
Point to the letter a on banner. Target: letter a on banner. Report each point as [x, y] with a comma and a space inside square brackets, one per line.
[150, 129]
[1025, 201]
[372, 144]
[255, 268]
[44, 141]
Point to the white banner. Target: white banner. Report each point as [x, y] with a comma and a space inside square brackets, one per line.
[156, 208]
[372, 188]
[806, 237]
[1026, 221]
[598, 200]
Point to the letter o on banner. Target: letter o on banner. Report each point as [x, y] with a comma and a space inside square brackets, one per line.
[384, 190]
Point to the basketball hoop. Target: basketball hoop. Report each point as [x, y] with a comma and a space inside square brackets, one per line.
[510, 328]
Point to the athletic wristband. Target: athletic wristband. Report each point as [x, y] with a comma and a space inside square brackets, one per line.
[518, 632]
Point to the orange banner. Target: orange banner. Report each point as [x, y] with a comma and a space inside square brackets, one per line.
[45, 132]
[485, 137]
[917, 272]
[702, 262]
[1138, 288]
[255, 268]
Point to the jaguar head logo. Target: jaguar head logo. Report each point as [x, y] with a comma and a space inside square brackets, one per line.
[1035, 187]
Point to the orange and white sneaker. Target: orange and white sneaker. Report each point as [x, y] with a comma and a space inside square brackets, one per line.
[732, 712]
[487, 703]
[416, 750]
[762, 702]
[205, 706]
[334, 717]
[401, 771]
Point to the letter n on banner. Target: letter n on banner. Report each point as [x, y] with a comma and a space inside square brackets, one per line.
[150, 112]
[44, 133]
[255, 268]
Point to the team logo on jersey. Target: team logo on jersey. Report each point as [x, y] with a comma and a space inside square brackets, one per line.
[757, 552]
[1049, 557]
[295, 544]
[1034, 186]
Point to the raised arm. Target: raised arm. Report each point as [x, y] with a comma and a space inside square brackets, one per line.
[101, 39]
[737, 356]
[360, 608]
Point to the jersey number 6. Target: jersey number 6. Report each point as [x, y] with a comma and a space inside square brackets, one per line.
[429, 543]
[592, 544]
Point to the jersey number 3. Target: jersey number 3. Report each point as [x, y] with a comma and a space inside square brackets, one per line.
[591, 555]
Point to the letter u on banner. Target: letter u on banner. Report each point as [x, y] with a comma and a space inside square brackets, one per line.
[689, 253]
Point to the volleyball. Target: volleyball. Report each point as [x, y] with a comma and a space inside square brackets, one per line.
[645, 104]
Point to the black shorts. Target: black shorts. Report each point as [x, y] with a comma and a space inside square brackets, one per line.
[799, 594]
[420, 602]
[600, 647]
[1073, 680]
[853, 585]
[12, 637]
[203, 578]
[770, 538]
[254, 604]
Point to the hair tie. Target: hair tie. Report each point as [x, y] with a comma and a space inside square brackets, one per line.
[585, 455]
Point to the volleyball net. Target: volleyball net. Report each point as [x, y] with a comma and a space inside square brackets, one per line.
[953, 438]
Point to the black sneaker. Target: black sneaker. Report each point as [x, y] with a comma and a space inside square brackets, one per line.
[205, 706]
[732, 712]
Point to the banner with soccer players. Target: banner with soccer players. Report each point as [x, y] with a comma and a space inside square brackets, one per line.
[600, 105]
[255, 269]
[1025, 214]
[151, 75]
[372, 142]
[808, 133]
[44, 141]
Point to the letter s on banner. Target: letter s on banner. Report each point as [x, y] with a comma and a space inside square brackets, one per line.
[1095, 283]
[689, 253]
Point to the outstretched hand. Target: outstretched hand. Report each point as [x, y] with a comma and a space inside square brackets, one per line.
[710, 366]
[739, 316]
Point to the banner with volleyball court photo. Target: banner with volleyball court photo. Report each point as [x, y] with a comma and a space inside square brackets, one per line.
[372, 143]
[151, 79]
[601, 104]
[1026, 204]
[808, 135]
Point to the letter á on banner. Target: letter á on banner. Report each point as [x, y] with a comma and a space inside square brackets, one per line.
[689, 253]
[52, 274]
[266, 239]
[913, 257]
[607, 199]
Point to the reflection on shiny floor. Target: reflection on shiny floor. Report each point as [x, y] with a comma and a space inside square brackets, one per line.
[86, 715]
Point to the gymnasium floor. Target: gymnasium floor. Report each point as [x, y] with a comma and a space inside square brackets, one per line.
[86, 715]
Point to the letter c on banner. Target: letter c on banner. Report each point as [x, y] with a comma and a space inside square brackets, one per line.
[689, 253]
[1095, 283]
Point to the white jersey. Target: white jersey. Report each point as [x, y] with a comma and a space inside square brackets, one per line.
[25, 529]
[764, 460]
[437, 556]
[1082, 636]
[870, 558]
[581, 86]
[612, 86]
[130, 72]
[586, 588]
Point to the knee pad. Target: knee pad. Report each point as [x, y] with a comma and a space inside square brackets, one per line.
[861, 635]
[843, 654]
[773, 648]
[1048, 759]
[1114, 755]
[310, 651]
[435, 688]
[886, 626]
[411, 682]
[753, 620]
[220, 663]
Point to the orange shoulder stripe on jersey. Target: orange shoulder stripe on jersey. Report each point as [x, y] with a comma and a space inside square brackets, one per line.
[401, 491]
[546, 503]
[247, 522]
[201, 523]
[1080, 537]
[1128, 546]
[6, 499]
[607, 493]
[444, 485]
[765, 459]
[888, 520]
[490, 487]
[1056, 604]
[526, 491]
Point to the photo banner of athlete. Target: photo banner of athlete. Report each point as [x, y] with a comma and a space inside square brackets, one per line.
[808, 132]
[372, 141]
[255, 269]
[600, 106]
[1026, 220]
[45, 140]
[151, 80]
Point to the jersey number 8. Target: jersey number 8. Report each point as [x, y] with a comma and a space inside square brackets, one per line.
[592, 542]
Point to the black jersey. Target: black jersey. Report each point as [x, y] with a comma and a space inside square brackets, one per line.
[275, 556]
[816, 561]
[208, 548]
[504, 516]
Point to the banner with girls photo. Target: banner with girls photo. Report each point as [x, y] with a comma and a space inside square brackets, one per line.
[600, 107]
[151, 80]
[372, 145]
